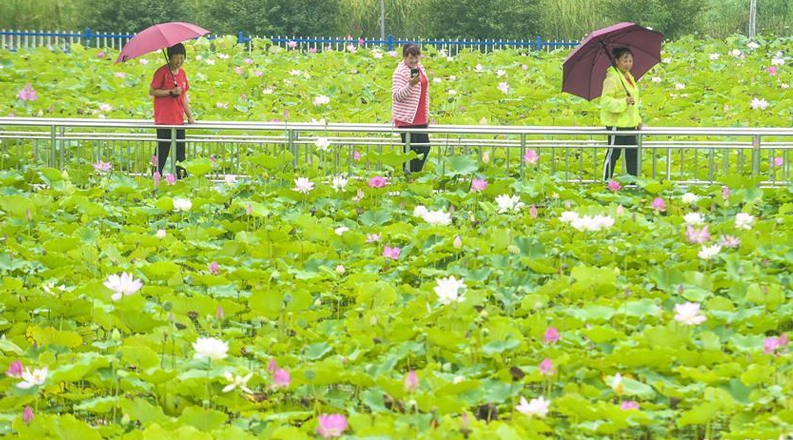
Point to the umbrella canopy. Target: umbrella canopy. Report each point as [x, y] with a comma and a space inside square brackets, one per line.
[159, 37]
[585, 67]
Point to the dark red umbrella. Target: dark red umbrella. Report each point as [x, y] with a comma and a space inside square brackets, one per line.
[159, 36]
[585, 67]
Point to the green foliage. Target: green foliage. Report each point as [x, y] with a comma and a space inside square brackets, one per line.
[129, 16]
[271, 17]
[481, 18]
[673, 18]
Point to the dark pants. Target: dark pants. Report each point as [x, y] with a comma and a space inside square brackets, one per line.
[164, 147]
[423, 139]
[613, 155]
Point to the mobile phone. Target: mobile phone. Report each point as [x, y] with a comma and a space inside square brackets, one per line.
[414, 73]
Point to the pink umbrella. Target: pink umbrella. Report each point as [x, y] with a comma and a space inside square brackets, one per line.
[585, 67]
[159, 37]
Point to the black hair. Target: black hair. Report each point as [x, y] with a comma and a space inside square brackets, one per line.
[410, 49]
[618, 52]
[176, 49]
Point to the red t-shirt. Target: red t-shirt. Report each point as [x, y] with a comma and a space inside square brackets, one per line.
[421, 112]
[167, 109]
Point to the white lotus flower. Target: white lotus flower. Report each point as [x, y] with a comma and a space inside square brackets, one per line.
[452, 92]
[182, 204]
[341, 230]
[449, 290]
[210, 61]
[744, 221]
[122, 285]
[437, 218]
[210, 348]
[537, 407]
[267, 91]
[437, 80]
[29, 380]
[759, 104]
[500, 72]
[303, 185]
[568, 216]
[420, 211]
[479, 68]
[508, 203]
[708, 252]
[322, 143]
[616, 383]
[321, 100]
[688, 314]
[160, 234]
[680, 86]
[339, 182]
[50, 287]
[736, 53]
[778, 61]
[240, 382]
[656, 79]
[714, 56]
[377, 54]
[689, 198]
[105, 107]
[752, 45]
[694, 219]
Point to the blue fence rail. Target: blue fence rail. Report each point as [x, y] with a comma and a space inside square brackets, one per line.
[14, 40]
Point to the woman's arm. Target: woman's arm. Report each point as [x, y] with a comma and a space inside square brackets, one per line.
[187, 112]
[400, 86]
[608, 100]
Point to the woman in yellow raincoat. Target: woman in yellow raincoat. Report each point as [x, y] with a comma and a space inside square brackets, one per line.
[619, 111]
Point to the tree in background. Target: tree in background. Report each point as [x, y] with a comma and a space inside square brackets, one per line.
[481, 18]
[270, 17]
[40, 14]
[674, 18]
[129, 16]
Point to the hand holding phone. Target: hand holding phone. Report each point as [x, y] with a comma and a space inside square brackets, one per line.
[415, 76]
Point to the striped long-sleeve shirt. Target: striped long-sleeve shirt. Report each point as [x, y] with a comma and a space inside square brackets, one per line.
[405, 99]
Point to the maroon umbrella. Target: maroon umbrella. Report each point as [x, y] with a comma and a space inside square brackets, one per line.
[159, 37]
[585, 67]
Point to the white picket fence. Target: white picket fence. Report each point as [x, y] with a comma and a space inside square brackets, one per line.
[62, 40]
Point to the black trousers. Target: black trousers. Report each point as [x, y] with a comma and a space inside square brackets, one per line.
[164, 147]
[423, 149]
[613, 155]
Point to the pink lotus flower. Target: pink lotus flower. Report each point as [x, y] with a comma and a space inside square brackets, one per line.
[157, 178]
[312, 50]
[411, 383]
[478, 185]
[220, 313]
[103, 167]
[361, 41]
[238, 70]
[725, 192]
[258, 73]
[248, 61]
[120, 75]
[27, 415]
[372, 238]
[551, 335]
[771, 345]
[778, 161]
[614, 185]
[331, 425]
[546, 367]
[153, 160]
[356, 156]
[15, 369]
[272, 366]
[213, 268]
[249, 209]
[171, 179]
[533, 212]
[658, 204]
[281, 378]
[730, 241]
[100, 55]
[27, 94]
[620, 210]
[697, 235]
[392, 252]
[291, 44]
[772, 70]
[628, 405]
[531, 157]
[377, 182]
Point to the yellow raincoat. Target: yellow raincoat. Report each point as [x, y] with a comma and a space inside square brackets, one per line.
[614, 110]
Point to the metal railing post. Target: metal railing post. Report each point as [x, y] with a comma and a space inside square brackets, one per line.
[172, 153]
[87, 37]
[756, 155]
[639, 140]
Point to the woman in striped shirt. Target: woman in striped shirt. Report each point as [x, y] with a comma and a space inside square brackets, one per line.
[411, 103]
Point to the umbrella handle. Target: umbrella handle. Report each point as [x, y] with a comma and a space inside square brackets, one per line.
[614, 65]
[168, 62]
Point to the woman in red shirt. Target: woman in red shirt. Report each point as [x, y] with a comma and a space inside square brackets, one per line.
[411, 102]
[169, 88]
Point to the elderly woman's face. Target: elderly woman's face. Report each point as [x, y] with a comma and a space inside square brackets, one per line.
[412, 61]
[177, 60]
[625, 62]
